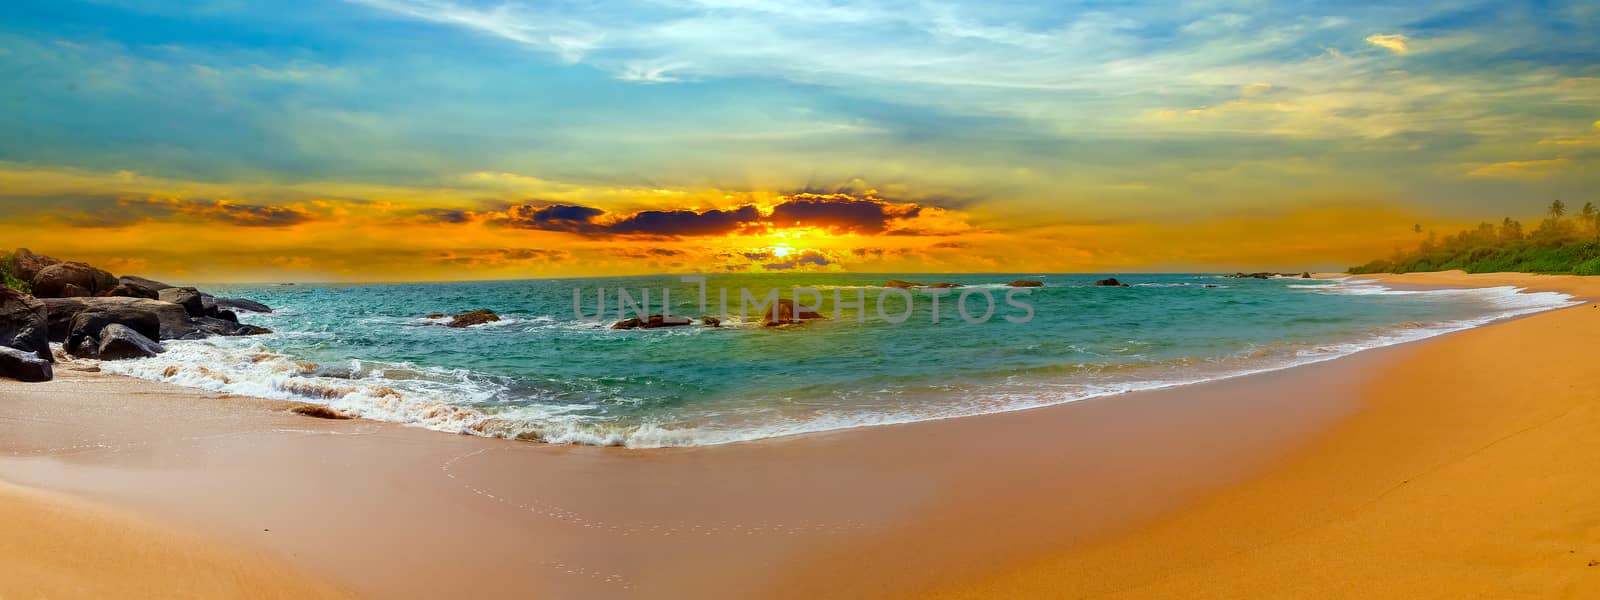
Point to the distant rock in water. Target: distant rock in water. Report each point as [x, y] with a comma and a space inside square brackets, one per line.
[71, 280]
[1026, 283]
[711, 321]
[784, 312]
[651, 322]
[319, 411]
[119, 342]
[1305, 275]
[24, 366]
[944, 285]
[477, 317]
[896, 283]
[1110, 282]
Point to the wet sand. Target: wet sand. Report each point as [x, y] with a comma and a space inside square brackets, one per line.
[1457, 462]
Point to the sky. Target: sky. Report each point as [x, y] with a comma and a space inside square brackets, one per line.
[388, 140]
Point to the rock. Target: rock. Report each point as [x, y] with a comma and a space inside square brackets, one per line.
[127, 291]
[242, 304]
[944, 285]
[26, 265]
[119, 342]
[227, 315]
[52, 281]
[24, 323]
[477, 317]
[711, 321]
[320, 412]
[187, 297]
[1110, 282]
[24, 366]
[1026, 283]
[437, 316]
[784, 312]
[896, 283]
[175, 320]
[656, 321]
[1262, 275]
[91, 323]
[1305, 275]
[629, 323]
[146, 288]
[1210, 285]
[87, 347]
[72, 290]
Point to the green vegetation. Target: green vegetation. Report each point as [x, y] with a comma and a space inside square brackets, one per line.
[1561, 244]
[8, 274]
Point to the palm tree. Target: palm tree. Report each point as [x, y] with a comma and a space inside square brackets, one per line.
[1558, 209]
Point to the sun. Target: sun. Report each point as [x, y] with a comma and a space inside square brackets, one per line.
[782, 250]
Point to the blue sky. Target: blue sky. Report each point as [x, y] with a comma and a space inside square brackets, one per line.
[1059, 114]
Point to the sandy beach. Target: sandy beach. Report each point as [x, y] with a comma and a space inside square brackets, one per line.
[1456, 466]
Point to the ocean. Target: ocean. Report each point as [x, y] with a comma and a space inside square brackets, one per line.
[543, 374]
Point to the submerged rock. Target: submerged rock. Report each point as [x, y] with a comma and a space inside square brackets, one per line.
[711, 321]
[119, 341]
[651, 322]
[477, 317]
[896, 283]
[784, 312]
[24, 323]
[1110, 282]
[24, 366]
[1026, 283]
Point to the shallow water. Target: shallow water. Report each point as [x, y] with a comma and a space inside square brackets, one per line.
[541, 373]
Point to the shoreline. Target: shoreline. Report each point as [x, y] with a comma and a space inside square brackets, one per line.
[1079, 484]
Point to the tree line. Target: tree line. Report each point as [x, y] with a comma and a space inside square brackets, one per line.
[1561, 243]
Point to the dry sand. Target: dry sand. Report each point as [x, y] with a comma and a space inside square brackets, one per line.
[1453, 467]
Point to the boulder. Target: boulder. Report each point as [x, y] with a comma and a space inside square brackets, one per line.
[119, 342]
[127, 291]
[1026, 283]
[629, 323]
[175, 320]
[226, 315]
[711, 321]
[90, 323]
[24, 323]
[1110, 282]
[26, 265]
[477, 317]
[655, 321]
[896, 283]
[784, 312]
[242, 304]
[944, 285]
[53, 281]
[146, 288]
[87, 347]
[187, 297]
[72, 290]
[24, 366]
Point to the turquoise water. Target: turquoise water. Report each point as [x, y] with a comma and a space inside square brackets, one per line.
[543, 374]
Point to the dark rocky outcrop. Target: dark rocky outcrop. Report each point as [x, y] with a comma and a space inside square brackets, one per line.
[944, 285]
[476, 317]
[175, 320]
[1305, 275]
[24, 323]
[118, 342]
[784, 312]
[1110, 282]
[127, 291]
[146, 288]
[896, 283]
[237, 304]
[22, 365]
[26, 265]
[90, 323]
[54, 281]
[711, 321]
[1026, 283]
[651, 322]
[187, 297]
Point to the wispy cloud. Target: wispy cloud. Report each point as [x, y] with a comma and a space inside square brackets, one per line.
[1397, 43]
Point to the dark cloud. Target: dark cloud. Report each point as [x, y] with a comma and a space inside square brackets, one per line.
[244, 215]
[645, 253]
[840, 212]
[685, 222]
[490, 257]
[124, 210]
[809, 257]
[554, 217]
[446, 215]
